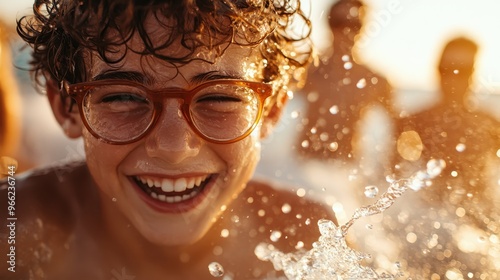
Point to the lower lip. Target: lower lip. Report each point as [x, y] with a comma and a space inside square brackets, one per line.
[176, 207]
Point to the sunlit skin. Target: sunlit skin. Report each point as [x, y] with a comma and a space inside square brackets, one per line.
[107, 223]
[172, 150]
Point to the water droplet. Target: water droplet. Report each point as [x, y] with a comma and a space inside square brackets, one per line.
[333, 146]
[216, 269]
[369, 226]
[361, 83]
[295, 114]
[460, 147]
[305, 144]
[435, 166]
[261, 213]
[411, 237]
[312, 96]
[347, 65]
[334, 109]
[235, 219]
[224, 233]
[345, 58]
[390, 178]
[217, 250]
[286, 208]
[299, 245]
[301, 192]
[308, 221]
[456, 71]
[275, 235]
[418, 181]
[482, 239]
[324, 136]
[371, 191]
[113, 199]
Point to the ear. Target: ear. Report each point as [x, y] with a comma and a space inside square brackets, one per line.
[70, 122]
[273, 116]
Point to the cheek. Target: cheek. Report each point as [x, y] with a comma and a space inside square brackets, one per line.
[103, 161]
[242, 157]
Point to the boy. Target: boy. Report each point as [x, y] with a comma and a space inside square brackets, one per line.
[171, 99]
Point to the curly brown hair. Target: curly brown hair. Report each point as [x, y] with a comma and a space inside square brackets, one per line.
[61, 32]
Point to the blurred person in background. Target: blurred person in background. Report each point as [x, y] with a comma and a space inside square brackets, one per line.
[341, 95]
[454, 219]
[453, 129]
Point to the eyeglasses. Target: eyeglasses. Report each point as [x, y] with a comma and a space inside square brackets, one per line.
[122, 111]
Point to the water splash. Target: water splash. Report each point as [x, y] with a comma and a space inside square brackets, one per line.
[371, 191]
[216, 269]
[331, 257]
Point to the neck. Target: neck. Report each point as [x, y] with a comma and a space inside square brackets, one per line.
[341, 46]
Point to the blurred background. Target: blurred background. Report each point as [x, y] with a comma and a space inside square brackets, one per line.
[401, 40]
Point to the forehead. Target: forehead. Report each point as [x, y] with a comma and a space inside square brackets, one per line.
[226, 58]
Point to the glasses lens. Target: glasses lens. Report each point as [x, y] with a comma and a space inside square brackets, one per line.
[225, 111]
[118, 112]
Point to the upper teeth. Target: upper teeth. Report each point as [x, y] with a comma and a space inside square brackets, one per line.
[173, 185]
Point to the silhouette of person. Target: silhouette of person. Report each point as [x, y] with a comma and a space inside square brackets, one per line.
[451, 220]
[451, 130]
[338, 91]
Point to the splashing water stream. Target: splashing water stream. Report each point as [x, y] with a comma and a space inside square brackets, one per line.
[331, 257]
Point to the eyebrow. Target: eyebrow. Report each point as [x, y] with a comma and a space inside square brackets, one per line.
[146, 79]
[214, 75]
[124, 75]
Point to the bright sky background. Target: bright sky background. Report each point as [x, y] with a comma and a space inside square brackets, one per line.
[403, 38]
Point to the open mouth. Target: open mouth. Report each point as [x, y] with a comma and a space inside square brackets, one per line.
[172, 190]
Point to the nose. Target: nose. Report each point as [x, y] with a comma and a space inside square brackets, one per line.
[172, 139]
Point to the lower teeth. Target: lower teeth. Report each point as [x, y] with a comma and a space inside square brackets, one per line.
[173, 199]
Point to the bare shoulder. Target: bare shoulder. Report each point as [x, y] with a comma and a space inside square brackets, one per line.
[49, 192]
[45, 206]
[266, 212]
[282, 199]
[279, 209]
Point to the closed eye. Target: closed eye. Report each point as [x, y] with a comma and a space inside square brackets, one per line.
[123, 98]
[218, 98]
